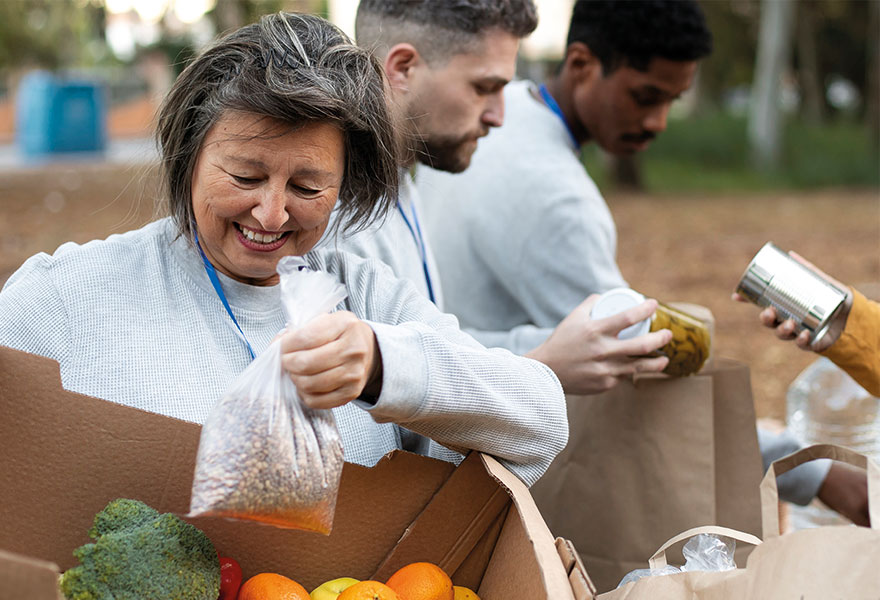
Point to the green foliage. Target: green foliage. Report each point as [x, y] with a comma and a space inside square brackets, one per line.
[711, 153]
[52, 33]
[139, 553]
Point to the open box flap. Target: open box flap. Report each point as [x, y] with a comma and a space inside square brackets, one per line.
[525, 522]
[452, 525]
[24, 577]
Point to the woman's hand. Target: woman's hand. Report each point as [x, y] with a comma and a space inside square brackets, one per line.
[787, 330]
[588, 358]
[333, 359]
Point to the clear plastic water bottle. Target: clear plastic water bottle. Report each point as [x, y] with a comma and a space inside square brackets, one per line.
[825, 405]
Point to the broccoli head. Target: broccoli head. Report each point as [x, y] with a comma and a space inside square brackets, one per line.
[140, 554]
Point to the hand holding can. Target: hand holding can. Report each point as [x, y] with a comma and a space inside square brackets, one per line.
[803, 299]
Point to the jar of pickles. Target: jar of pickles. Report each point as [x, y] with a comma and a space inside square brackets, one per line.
[691, 340]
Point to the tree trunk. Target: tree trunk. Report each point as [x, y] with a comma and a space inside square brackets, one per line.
[873, 80]
[808, 64]
[229, 15]
[774, 51]
[626, 172]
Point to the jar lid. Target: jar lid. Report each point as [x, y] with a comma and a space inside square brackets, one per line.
[616, 301]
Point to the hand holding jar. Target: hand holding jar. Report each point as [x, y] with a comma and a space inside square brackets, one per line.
[690, 343]
[589, 356]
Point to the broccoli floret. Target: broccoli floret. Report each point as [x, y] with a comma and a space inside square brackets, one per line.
[140, 554]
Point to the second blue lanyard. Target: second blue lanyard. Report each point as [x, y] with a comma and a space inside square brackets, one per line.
[416, 232]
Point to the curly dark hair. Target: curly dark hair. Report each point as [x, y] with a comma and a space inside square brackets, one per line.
[625, 31]
[440, 29]
[294, 68]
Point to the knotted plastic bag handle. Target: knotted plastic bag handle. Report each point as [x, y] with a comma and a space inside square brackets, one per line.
[658, 561]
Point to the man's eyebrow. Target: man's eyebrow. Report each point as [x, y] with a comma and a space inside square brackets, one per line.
[495, 80]
[656, 93]
[651, 89]
[247, 161]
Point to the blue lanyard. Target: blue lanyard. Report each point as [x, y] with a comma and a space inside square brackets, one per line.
[554, 106]
[215, 281]
[420, 243]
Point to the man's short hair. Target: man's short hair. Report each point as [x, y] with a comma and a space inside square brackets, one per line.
[626, 32]
[439, 29]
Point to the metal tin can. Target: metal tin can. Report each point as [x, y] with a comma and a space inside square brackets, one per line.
[776, 279]
[691, 341]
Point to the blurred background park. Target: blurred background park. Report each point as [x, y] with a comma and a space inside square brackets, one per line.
[779, 139]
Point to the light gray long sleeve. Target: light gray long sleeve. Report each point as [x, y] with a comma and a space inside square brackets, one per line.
[133, 319]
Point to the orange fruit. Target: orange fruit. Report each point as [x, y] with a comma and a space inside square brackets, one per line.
[368, 590]
[421, 581]
[272, 586]
[463, 593]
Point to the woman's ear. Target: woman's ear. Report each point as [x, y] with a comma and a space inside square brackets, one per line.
[399, 64]
[580, 63]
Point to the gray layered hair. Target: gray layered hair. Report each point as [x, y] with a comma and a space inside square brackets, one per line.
[298, 69]
[439, 29]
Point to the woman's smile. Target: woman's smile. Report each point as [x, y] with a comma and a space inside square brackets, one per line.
[259, 240]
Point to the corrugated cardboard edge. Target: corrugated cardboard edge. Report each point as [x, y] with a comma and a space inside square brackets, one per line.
[581, 585]
[22, 577]
[456, 520]
[554, 575]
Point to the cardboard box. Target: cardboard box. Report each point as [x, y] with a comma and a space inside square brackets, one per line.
[66, 455]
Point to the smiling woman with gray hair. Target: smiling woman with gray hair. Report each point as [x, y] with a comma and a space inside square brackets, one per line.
[259, 137]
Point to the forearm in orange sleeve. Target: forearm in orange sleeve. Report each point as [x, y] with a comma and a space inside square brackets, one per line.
[857, 351]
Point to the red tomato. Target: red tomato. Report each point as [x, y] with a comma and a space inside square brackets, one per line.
[230, 578]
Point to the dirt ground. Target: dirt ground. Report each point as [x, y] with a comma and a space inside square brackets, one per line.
[688, 248]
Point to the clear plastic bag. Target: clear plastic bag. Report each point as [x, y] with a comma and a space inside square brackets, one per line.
[263, 455]
[703, 552]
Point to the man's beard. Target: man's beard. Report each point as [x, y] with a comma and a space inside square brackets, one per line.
[445, 153]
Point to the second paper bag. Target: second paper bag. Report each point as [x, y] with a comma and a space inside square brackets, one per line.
[650, 459]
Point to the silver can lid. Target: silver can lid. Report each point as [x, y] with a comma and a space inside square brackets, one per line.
[617, 300]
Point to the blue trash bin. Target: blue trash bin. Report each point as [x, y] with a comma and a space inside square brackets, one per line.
[55, 115]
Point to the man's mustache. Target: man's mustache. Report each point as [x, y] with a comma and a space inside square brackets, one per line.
[645, 136]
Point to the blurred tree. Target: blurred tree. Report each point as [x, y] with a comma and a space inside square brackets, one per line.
[734, 30]
[773, 55]
[873, 76]
[51, 34]
[808, 63]
[232, 14]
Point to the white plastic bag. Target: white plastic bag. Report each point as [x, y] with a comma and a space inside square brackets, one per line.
[703, 552]
[263, 455]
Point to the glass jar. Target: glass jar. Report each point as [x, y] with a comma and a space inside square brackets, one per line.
[691, 341]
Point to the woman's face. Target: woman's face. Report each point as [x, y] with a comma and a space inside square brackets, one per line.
[262, 191]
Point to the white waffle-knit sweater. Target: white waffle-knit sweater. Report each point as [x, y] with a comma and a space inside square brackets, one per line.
[133, 319]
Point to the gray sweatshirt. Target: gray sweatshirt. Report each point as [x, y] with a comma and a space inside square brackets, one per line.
[133, 319]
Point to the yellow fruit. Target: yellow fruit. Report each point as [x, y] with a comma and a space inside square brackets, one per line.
[330, 590]
[463, 593]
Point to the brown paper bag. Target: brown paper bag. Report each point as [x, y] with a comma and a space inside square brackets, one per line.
[650, 459]
[724, 585]
[840, 561]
